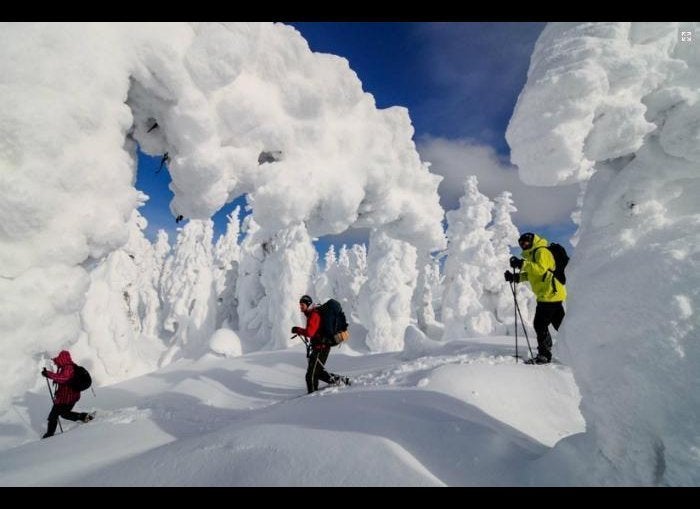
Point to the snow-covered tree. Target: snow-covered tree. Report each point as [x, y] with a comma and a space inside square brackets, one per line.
[275, 271]
[498, 295]
[326, 282]
[226, 259]
[385, 298]
[357, 275]
[161, 268]
[239, 108]
[121, 312]
[250, 292]
[343, 277]
[188, 293]
[285, 276]
[428, 289]
[504, 233]
[617, 105]
[470, 260]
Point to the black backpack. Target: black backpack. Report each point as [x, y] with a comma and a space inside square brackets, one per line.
[561, 259]
[81, 379]
[334, 325]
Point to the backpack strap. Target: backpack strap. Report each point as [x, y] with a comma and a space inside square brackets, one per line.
[554, 286]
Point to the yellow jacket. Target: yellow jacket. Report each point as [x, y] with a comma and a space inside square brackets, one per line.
[538, 270]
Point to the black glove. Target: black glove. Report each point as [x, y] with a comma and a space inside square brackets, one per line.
[296, 330]
[43, 373]
[510, 277]
[516, 262]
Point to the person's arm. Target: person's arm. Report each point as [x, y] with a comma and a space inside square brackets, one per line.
[312, 324]
[62, 377]
[542, 262]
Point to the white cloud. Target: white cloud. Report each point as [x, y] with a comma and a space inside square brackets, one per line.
[456, 159]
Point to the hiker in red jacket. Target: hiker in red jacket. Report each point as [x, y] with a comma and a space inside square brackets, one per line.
[318, 354]
[66, 397]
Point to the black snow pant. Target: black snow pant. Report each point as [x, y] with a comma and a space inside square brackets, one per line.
[62, 410]
[316, 370]
[547, 313]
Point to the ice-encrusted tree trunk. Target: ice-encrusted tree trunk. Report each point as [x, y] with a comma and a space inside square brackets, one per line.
[470, 259]
[385, 298]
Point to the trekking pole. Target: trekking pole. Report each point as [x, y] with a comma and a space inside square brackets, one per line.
[515, 317]
[54, 402]
[308, 348]
[517, 308]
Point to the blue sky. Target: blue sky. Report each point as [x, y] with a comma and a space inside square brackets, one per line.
[459, 81]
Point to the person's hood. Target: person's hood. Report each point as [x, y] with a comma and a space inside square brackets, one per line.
[537, 242]
[63, 359]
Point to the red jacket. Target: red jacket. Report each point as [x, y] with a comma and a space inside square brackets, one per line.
[65, 394]
[313, 323]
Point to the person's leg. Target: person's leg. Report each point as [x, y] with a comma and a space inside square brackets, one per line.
[310, 371]
[543, 317]
[53, 421]
[66, 413]
[321, 372]
[558, 315]
[315, 369]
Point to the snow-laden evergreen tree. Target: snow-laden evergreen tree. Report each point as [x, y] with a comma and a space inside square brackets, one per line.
[250, 292]
[385, 298]
[121, 313]
[428, 291]
[498, 294]
[357, 267]
[275, 271]
[345, 280]
[188, 293]
[227, 255]
[348, 271]
[326, 282]
[285, 276]
[144, 299]
[470, 261]
[616, 105]
[434, 280]
[161, 270]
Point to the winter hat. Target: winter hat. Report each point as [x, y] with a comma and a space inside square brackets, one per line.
[525, 240]
[305, 299]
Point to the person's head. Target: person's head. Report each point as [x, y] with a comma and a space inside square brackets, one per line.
[525, 241]
[63, 358]
[305, 303]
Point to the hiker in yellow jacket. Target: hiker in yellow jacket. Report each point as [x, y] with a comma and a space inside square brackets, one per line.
[537, 268]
